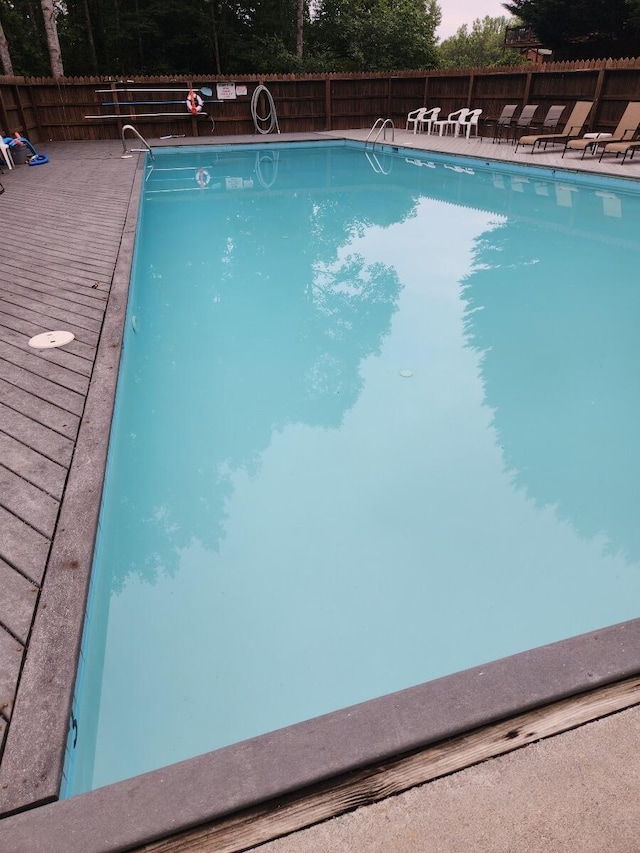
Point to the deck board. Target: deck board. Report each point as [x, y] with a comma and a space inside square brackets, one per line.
[38, 410]
[23, 499]
[35, 435]
[59, 251]
[17, 602]
[11, 652]
[22, 546]
[38, 469]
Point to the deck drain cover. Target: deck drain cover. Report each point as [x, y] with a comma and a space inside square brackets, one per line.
[47, 340]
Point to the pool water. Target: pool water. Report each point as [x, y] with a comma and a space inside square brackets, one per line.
[376, 423]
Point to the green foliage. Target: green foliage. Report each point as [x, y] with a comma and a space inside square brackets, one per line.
[131, 37]
[376, 35]
[581, 29]
[481, 47]
[23, 26]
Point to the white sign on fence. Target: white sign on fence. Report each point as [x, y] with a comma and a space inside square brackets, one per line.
[226, 91]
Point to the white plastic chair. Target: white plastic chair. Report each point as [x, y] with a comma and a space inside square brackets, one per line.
[429, 118]
[454, 121]
[6, 153]
[470, 123]
[414, 118]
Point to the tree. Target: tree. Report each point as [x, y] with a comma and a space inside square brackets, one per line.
[482, 47]
[582, 29]
[376, 35]
[300, 30]
[51, 30]
[5, 56]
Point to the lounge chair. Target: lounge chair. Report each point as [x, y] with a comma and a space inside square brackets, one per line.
[503, 122]
[625, 131]
[618, 148]
[524, 119]
[552, 118]
[572, 128]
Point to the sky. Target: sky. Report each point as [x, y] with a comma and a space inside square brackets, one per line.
[455, 13]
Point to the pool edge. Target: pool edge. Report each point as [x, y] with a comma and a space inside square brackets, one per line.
[216, 785]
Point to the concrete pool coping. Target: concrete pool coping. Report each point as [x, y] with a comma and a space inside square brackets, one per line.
[263, 769]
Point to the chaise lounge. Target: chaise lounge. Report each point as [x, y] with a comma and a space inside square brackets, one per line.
[624, 132]
[618, 148]
[572, 128]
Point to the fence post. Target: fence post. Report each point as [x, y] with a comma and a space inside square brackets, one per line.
[23, 119]
[4, 118]
[116, 109]
[327, 104]
[472, 80]
[596, 97]
[527, 89]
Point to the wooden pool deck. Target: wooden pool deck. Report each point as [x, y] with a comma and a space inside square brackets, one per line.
[65, 249]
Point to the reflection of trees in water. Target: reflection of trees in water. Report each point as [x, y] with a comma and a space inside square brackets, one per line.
[289, 331]
[557, 326]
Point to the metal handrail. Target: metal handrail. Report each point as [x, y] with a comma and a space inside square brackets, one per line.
[381, 124]
[140, 137]
[375, 164]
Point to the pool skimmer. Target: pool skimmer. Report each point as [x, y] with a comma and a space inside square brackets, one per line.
[48, 340]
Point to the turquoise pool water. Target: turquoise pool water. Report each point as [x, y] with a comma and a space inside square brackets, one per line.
[376, 423]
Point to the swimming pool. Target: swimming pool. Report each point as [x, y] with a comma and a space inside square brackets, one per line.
[374, 426]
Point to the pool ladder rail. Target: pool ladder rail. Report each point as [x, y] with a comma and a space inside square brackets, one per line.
[381, 125]
[130, 153]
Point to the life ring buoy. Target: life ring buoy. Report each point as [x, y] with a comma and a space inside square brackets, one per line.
[194, 102]
[202, 177]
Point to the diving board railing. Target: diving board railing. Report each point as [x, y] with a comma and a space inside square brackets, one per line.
[381, 125]
[128, 153]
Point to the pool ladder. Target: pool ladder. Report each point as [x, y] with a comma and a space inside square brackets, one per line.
[381, 125]
[134, 150]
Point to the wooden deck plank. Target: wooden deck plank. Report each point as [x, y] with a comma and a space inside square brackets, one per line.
[90, 296]
[50, 297]
[17, 602]
[41, 387]
[102, 234]
[38, 509]
[33, 466]
[40, 364]
[71, 277]
[11, 652]
[59, 261]
[59, 356]
[46, 441]
[39, 410]
[60, 315]
[28, 330]
[41, 320]
[22, 546]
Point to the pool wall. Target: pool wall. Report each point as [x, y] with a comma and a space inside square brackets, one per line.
[206, 788]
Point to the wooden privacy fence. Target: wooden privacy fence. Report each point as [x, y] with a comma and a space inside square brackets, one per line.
[87, 108]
